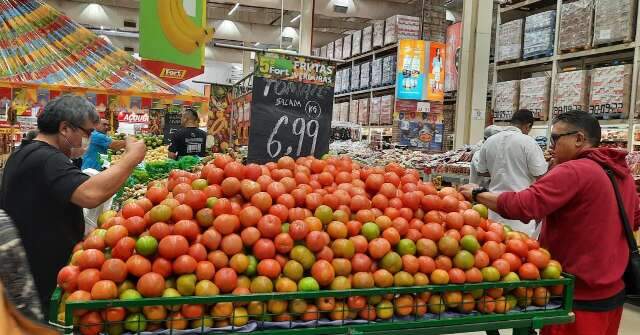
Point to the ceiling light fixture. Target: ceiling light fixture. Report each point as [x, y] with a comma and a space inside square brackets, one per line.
[256, 44]
[234, 9]
[295, 18]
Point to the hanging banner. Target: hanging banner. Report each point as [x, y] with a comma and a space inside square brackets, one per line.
[452, 59]
[410, 78]
[420, 70]
[172, 38]
[291, 108]
[435, 89]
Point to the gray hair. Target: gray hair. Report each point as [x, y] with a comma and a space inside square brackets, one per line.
[73, 109]
[491, 130]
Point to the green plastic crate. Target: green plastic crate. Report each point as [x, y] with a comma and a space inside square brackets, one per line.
[520, 320]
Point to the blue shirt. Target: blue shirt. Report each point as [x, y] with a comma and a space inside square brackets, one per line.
[99, 143]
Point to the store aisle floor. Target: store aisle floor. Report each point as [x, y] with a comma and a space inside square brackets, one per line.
[630, 323]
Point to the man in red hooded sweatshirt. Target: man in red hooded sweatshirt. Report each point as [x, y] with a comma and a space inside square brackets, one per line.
[582, 227]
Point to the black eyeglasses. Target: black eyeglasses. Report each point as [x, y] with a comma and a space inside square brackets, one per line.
[86, 131]
[556, 137]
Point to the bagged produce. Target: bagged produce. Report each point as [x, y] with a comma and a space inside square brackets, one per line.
[534, 96]
[507, 97]
[571, 92]
[576, 25]
[539, 34]
[610, 91]
[613, 21]
[510, 41]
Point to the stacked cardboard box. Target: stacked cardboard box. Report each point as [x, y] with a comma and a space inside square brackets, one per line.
[315, 52]
[335, 114]
[534, 96]
[330, 48]
[356, 43]
[376, 72]
[389, 70]
[344, 111]
[367, 38]
[539, 34]
[386, 109]
[363, 111]
[613, 21]
[365, 75]
[337, 53]
[323, 51]
[337, 88]
[346, 46]
[571, 92]
[346, 80]
[400, 27]
[610, 91]
[507, 97]
[355, 77]
[378, 34]
[376, 108]
[576, 25]
[510, 41]
[353, 111]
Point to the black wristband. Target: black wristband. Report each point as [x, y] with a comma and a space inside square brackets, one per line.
[476, 191]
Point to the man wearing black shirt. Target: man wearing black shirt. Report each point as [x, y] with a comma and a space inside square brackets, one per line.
[190, 140]
[44, 193]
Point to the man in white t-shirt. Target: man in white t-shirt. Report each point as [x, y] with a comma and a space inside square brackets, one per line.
[514, 161]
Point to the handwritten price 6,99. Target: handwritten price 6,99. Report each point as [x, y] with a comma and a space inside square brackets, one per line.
[300, 128]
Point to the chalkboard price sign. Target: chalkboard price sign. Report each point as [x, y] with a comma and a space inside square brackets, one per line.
[290, 116]
[172, 122]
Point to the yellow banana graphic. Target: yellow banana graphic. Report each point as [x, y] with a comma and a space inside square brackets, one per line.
[185, 24]
[170, 29]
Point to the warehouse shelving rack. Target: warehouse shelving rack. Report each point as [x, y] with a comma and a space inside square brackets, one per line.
[629, 51]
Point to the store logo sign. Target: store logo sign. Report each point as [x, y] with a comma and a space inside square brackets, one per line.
[173, 73]
[133, 118]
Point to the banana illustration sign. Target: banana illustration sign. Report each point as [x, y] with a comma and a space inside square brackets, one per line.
[173, 34]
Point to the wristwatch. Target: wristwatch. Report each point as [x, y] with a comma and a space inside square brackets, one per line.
[476, 191]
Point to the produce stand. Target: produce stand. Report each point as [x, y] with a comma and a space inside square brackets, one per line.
[520, 320]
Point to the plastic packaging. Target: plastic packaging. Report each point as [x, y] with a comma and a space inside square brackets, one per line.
[337, 53]
[400, 27]
[353, 111]
[330, 50]
[510, 41]
[539, 30]
[378, 34]
[356, 43]
[571, 92]
[363, 111]
[507, 98]
[367, 38]
[376, 108]
[346, 47]
[365, 75]
[576, 25]
[386, 109]
[355, 77]
[376, 72]
[610, 91]
[613, 21]
[534, 96]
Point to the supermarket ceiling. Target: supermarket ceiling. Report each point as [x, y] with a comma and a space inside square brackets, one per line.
[262, 17]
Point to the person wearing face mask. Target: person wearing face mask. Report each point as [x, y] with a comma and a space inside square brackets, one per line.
[44, 193]
[582, 224]
[99, 143]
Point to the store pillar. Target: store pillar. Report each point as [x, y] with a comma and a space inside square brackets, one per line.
[472, 92]
[306, 27]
